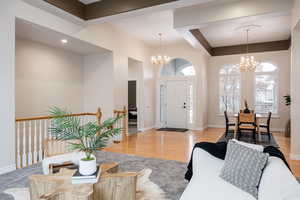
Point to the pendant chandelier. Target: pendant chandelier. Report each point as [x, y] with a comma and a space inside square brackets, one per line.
[247, 63]
[160, 59]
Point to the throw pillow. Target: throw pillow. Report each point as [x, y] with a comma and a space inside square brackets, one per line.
[243, 167]
[252, 146]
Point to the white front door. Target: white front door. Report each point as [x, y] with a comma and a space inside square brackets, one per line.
[176, 104]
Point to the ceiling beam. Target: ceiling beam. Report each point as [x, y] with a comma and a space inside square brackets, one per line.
[104, 8]
[73, 7]
[253, 48]
[114, 7]
[240, 49]
[202, 40]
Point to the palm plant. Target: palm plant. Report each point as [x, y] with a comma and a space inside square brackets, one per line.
[88, 137]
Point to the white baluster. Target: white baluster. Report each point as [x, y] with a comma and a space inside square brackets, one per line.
[29, 144]
[35, 143]
[40, 142]
[45, 130]
[24, 158]
[18, 146]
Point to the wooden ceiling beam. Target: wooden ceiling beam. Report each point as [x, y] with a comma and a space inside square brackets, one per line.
[114, 7]
[104, 8]
[202, 40]
[73, 7]
[253, 48]
[240, 49]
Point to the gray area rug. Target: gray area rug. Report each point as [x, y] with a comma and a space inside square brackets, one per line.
[247, 137]
[167, 174]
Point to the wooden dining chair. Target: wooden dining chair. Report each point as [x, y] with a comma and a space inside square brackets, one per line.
[228, 123]
[267, 125]
[247, 122]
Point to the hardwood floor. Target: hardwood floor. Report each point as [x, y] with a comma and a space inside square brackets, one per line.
[178, 146]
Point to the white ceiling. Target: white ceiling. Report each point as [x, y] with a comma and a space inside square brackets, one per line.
[30, 31]
[147, 27]
[273, 28]
[88, 1]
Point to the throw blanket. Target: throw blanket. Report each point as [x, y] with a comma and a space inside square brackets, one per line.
[219, 150]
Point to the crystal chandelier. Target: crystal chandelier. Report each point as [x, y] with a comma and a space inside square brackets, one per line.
[247, 63]
[160, 59]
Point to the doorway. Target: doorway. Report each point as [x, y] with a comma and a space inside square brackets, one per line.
[132, 107]
[176, 95]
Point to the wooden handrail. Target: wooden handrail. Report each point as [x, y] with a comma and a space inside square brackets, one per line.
[51, 117]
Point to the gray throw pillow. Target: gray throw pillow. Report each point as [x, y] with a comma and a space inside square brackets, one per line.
[243, 167]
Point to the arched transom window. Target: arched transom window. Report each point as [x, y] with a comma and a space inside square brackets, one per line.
[229, 89]
[178, 67]
[266, 88]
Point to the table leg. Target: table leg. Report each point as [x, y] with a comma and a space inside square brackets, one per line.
[258, 130]
[236, 128]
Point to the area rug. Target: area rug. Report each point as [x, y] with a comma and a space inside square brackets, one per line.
[247, 137]
[173, 129]
[168, 175]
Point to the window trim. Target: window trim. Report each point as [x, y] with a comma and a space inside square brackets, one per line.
[219, 92]
[275, 74]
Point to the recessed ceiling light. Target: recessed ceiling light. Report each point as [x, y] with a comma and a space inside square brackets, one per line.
[64, 41]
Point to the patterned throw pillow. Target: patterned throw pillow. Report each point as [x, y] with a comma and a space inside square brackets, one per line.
[243, 167]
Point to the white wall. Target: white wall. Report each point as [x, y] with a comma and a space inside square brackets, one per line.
[200, 62]
[46, 77]
[99, 84]
[106, 36]
[7, 86]
[279, 58]
[295, 82]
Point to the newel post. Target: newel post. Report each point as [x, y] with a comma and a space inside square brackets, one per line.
[99, 116]
[125, 122]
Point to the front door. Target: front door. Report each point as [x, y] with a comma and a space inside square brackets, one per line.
[176, 104]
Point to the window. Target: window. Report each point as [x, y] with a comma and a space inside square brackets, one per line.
[229, 89]
[266, 88]
[178, 67]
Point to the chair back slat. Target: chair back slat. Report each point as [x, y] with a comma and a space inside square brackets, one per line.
[226, 117]
[269, 118]
[247, 118]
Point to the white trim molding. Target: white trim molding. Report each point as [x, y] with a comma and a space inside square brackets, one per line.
[7, 168]
[147, 128]
[294, 156]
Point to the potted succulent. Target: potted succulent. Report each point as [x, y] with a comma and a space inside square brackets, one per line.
[87, 138]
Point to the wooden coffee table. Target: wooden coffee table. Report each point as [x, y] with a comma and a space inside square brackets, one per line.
[111, 185]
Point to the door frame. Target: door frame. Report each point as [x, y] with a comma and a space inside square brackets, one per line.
[162, 81]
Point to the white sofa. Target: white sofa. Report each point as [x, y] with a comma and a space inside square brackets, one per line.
[277, 182]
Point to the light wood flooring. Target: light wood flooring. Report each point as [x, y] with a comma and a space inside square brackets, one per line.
[178, 146]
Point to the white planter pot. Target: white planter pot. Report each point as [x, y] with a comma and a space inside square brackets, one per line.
[87, 167]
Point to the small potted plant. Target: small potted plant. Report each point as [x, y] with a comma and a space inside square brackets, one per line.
[246, 110]
[87, 138]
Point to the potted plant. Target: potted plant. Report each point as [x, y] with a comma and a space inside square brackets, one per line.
[246, 110]
[87, 138]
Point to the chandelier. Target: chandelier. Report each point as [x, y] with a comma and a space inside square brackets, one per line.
[247, 63]
[160, 59]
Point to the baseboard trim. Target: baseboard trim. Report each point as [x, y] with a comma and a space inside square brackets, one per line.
[147, 128]
[294, 156]
[6, 169]
[197, 128]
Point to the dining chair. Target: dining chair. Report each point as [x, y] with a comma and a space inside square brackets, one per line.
[267, 125]
[247, 122]
[227, 123]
